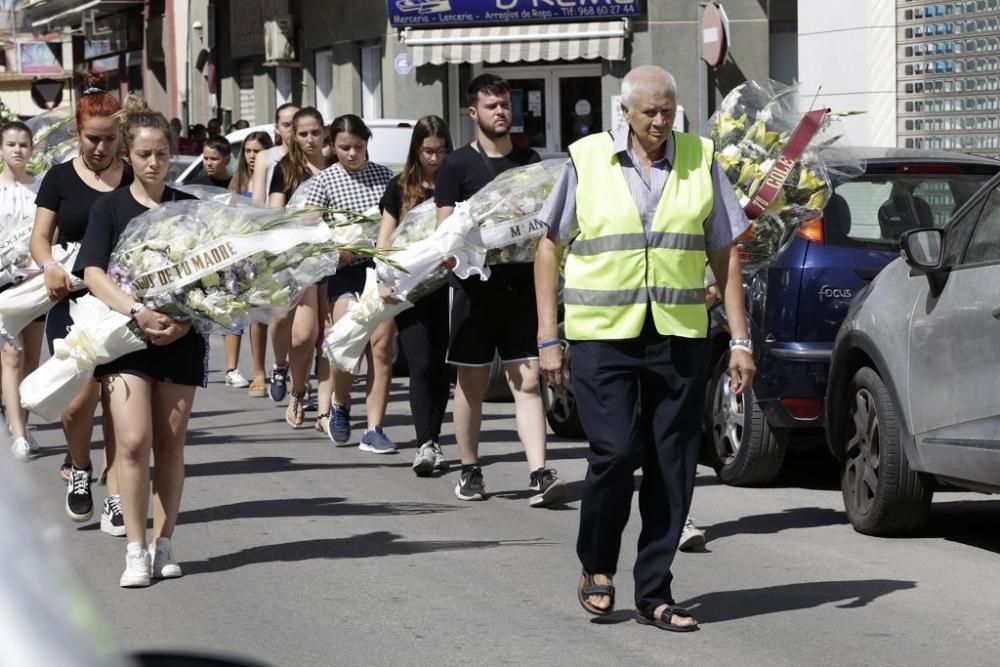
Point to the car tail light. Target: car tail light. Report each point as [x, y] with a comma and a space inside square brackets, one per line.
[812, 230]
[803, 408]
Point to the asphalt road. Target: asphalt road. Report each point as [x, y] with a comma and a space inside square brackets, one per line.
[298, 553]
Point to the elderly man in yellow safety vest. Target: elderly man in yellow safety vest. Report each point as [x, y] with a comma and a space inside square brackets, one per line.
[636, 214]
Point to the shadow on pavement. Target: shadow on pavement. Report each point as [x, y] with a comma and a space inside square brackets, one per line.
[813, 468]
[301, 507]
[556, 454]
[768, 524]
[733, 605]
[972, 522]
[368, 545]
[268, 464]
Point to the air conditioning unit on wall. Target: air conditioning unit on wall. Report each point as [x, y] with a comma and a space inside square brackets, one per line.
[279, 40]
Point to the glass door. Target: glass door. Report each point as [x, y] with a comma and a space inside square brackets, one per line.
[580, 108]
[529, 106]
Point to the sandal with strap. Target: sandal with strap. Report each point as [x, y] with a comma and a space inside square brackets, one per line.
[325, 427]
[588, 587]
[648, 617]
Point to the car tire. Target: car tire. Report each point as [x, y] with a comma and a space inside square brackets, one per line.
[742, 446]
[561, 410]
[882, 495]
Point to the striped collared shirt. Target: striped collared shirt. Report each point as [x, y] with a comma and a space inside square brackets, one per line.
[726, 221]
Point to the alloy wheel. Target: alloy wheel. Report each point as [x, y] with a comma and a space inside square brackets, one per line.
[728, 419]
[863, 453]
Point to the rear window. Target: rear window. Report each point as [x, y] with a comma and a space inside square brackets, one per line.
[875, 209]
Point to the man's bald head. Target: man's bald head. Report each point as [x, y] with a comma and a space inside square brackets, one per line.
[647, 81]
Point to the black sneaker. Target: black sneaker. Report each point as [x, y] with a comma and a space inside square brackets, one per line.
[79, 501]
[551, 489]
[112, 520]
[278, 387]
[470, 485]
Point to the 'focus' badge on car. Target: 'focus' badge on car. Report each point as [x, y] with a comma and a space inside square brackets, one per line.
[827, 292]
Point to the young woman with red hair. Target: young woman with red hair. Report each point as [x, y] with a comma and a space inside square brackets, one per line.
[65, 198]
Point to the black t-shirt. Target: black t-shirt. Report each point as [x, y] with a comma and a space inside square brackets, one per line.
[464, 172]
[63, 191]
[392, 198]
[205, 179]
[108, 219]
[278, 182]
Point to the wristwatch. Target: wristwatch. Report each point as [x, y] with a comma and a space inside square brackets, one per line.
[744, 344]
[135, 309]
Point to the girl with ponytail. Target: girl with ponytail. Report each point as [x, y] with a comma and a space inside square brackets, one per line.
[150, 392]
[65, 197]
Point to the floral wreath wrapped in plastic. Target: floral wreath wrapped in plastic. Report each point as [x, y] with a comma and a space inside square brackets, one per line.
[220, 267]
[773, 154]
[496, 225]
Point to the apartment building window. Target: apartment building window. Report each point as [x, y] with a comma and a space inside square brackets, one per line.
[282, 86]
[324, 84]
[371, 81]
[245, 82]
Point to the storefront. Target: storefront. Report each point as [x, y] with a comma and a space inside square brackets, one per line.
[563, 61]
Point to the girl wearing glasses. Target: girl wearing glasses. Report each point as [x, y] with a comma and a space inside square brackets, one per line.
[423, 329]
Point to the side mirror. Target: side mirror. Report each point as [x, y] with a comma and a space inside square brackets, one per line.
[923, 248]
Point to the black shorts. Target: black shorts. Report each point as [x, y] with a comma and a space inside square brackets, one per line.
[185, 362]
[497, 315]
[347, 282]
[58, 322]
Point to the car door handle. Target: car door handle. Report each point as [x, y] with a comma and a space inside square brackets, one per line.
[867, 274]
[996, 313]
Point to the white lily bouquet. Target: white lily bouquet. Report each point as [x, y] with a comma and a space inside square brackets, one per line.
[98, 335]
[218, 266]
[24, 303]
[496, 225]
[754, 129]
[15, 256]
[224, 266]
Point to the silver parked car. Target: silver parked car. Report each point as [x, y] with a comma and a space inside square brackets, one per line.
[912, 404]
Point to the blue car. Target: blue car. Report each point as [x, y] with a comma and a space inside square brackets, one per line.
[797, 301]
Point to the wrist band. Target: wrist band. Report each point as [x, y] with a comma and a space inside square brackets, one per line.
[738, 346]
[46, 265]
[549, 343]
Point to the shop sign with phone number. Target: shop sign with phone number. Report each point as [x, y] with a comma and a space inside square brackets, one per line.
[438, 13]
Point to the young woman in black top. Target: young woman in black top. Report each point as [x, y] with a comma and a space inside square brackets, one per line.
[423, 329]
[297, 334]
[150, 392]
[65, 197]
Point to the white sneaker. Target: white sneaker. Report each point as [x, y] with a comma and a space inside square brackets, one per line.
[32, 443]
[235, 380]
[21, 449]
[136, 574]
[164, 565]
[692, 536]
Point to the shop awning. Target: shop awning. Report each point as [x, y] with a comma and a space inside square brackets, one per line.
[518, 43]
[54, 14]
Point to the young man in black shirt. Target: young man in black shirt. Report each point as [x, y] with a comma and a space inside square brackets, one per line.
[215, 158]
[497, 316]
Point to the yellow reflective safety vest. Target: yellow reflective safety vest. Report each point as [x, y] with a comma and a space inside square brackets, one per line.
[614, 270]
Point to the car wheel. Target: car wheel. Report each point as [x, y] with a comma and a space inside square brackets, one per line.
[882, 494]
[560, 404]
[742, 446]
